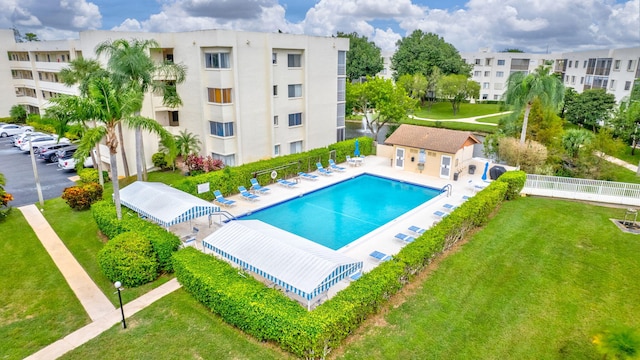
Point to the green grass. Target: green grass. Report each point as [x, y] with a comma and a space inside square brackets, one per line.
[620, 174]
[454, 125]
[37, 307]
[443, 110]
[536, 283]
[491, 119]
[176, 327]
[625, 154]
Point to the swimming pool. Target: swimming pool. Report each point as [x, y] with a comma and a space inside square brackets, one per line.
[339, 214]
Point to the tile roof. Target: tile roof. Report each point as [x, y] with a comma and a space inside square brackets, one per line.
[429, 138]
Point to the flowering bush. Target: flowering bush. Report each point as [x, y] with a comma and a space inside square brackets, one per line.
[81, 197]
[5, 197]
[197, 164]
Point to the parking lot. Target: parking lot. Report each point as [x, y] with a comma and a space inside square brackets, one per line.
[18, 171]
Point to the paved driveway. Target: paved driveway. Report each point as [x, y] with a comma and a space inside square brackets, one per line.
[18, 171]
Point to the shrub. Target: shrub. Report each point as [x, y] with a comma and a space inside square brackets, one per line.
[516, 181]
[529, 155]
[80, 197]
[159, 160]
[129, 258]
[91, 176]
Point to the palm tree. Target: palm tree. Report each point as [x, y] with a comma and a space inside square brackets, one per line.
[523, 89]
[622, 342]
[131, 64]
[111, 105]
[187, 143]
[18, 114]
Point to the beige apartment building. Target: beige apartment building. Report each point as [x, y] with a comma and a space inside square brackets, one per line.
[247, 95]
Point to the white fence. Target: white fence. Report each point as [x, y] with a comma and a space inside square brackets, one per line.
[583, 189]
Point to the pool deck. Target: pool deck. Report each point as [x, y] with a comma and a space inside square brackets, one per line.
[381, 239]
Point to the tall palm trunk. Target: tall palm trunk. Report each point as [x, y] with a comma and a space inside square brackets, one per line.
[125, 163]
[98, 162]
[139, 155]
[525, 122]
[116, 184]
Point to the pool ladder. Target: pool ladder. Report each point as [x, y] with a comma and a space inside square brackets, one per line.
[448, 189]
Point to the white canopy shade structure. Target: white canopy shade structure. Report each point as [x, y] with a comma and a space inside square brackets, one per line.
[297, 265]
[163, 204]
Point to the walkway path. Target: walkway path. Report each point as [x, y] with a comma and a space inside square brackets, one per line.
[472, 120]
[102, 313]
[619, 162]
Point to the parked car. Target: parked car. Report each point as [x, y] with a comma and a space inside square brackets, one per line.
[13, 129]
[68, 162]
[49, 153]
[21, 138]
[42, 140]
[67, 151]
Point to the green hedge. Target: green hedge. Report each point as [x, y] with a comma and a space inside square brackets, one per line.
[130, 259]
[270, 316]
[228, 180]
[164, 242]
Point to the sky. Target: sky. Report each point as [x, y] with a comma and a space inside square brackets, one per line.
[536, 26]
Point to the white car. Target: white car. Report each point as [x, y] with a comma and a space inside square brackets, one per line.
[13, 129]
[69, 162]
[42, 140]
[20, 138]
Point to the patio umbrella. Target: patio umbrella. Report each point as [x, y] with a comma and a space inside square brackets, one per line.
[484, 174]
[356, 152]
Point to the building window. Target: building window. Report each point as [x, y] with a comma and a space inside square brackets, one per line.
[295, 91]
[295, 119]
[487, 62]
[219, 96]
[496, 97]
[581, 80]
[477, 73]
[612, 84]
[627, 85]
[294, 60]
[485, 85]
[274, 58]
[275, 120]
[487, 73]
[573, 79]
[616, 65]
[584, 64]
[295, 147]
[478, 62]
[221, 129]
[630, 65]
[570, 63]
[501, 62]
[216, 60]
[342, 62]
[275, 90]
[342, 86]
[174, 119]
[499, 73]
[276, 150]
[228, 160]
[485, 96]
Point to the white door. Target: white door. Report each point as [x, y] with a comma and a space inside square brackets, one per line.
[445, 166]
[400, 158]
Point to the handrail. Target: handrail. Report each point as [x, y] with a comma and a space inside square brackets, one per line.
[226, 214]
[448, 188]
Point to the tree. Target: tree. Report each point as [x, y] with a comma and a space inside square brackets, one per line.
[364, 58]
[618, 343]
[570, 95]
[457, 88]
[544, 126]
[418, 53]
[31, 37]
[591, 108]
[381, 102]
[415, 86]
[111, 103]
[529, 156]
[132, 66]
[523, 89]
[187, 143]
[18, 114]
[575, 139]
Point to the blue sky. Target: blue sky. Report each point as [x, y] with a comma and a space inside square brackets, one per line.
[530, 25]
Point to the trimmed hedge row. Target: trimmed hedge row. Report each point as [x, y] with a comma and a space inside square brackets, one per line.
[130, 259]
[269, 315]
[164, 243]
[228, 180]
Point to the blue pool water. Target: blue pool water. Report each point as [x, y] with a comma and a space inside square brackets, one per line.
[339, 214]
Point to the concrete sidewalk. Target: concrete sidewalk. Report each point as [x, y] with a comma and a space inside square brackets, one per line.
[91, 297]
[619, 162]
[97, 327]
[472, 120]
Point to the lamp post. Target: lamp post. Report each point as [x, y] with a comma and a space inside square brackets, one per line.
[118, 286]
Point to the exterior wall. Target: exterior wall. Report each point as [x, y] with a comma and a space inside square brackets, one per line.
[433, 159]
[250, 78]
[572, 66]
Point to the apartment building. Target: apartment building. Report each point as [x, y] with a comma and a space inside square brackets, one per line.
[614, 70]
[247, 95]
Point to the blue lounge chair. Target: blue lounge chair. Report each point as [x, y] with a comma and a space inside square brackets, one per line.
[417, 230]
[449, 206]
[335, 166]
[247, 195]
[382, 257]
[286, 183]
[440, 214]
[465, 198]
[404, 238]
[322, 170]
[255, 186]
[307, 176]
[355, 276]
[221, 199]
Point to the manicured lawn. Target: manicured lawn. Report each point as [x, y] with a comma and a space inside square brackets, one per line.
[537, 282]
[37, 307]
[491, 119]
[443, 110]
[454, 125]
[176, 327]
[625, 155]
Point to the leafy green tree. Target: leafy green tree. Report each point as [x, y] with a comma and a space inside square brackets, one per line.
[415, 86]
[364, 58]
[573, 140]
[381, 102]
[418, 53]
[18, 114]
[132, 66]
[545, 126]
[570, 95]
[31, 37]
[591, 107]
[523, 89]
[457, 88]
